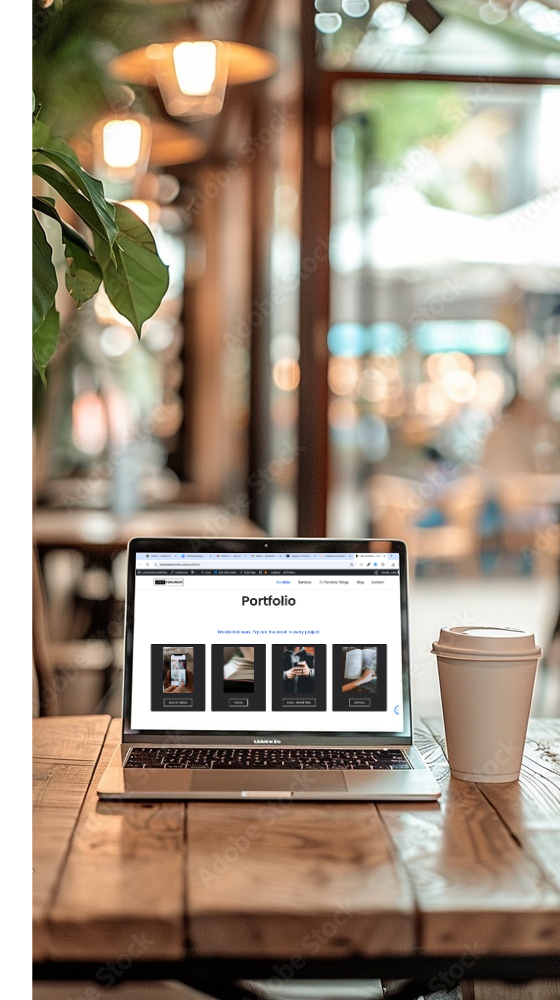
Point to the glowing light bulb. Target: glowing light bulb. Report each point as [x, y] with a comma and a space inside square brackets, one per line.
[121, 147]
[122, 141]
[192, 77]
[195, 67]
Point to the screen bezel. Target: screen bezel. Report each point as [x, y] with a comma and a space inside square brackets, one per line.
[271, 546]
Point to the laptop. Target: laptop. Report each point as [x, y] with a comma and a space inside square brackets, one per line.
[267, 669]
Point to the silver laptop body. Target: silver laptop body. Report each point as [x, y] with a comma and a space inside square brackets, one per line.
[243, 655]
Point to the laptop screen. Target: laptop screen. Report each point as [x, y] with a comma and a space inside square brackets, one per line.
[236, 638]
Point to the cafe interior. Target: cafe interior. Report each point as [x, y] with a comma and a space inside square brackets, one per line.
[359, 205]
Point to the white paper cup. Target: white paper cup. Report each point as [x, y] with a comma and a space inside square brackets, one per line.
[486, 678]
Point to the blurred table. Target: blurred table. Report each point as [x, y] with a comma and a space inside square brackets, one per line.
[82, 595]
[213, 892]
[99, 530]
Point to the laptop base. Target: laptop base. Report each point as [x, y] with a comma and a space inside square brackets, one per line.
[120, 783]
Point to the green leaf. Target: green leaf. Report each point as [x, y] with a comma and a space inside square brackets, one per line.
[82, 207]
[138, 281]
[90, 186]
[43, 204]
[42, 139]
[48, 207]
[41, 133]
[83, 277]
[45, 339]
[45, 282]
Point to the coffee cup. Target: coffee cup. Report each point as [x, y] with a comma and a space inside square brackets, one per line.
[486, 678]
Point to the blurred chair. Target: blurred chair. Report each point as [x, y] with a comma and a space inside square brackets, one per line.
[45, 690]
[69, 673]
[529, 504]
[403, 508]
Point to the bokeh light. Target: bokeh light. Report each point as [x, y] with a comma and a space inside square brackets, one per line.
[459, 385]
[89, 423]
[286, 374]
[344, 374]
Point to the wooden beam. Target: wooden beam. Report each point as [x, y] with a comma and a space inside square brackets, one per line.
[314, 288]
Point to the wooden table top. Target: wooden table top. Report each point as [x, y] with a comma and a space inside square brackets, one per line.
[477, 873]
[98, 529]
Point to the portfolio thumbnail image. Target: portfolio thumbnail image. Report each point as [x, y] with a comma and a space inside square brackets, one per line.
[239, 669]
[239, 678]
[359, 669]
[178, 670]
[299, 678]
[298, 670]
[360, 677]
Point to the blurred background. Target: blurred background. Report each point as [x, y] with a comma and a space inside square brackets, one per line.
[359, 204]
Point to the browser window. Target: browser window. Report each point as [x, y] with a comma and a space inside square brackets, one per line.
[245, 642]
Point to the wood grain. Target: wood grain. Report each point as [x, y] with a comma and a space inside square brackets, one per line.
[65, 751]
[477, 873]
[306, 880]
[477, 890]
[530, 808]
[121, 894]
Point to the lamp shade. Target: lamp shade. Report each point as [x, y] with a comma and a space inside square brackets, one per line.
[246, 64]
[171, 144]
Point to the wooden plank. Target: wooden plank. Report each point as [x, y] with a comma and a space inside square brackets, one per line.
[121, 895]
[65, 751]
[534, 801]
[477, 890]
[306, 880]
[530, 808]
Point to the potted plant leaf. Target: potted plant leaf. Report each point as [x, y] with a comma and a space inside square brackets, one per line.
[118, 248]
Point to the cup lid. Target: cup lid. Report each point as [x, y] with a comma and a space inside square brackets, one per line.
[486, 640]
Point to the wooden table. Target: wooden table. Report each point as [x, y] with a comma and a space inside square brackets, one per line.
[212, 893]
[96, 530]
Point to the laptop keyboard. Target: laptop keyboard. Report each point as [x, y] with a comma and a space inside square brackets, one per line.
[285, 759]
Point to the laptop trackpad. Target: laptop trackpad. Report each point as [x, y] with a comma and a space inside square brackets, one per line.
[267, 781]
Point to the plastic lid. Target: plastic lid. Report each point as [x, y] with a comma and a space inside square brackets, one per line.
[486, 641]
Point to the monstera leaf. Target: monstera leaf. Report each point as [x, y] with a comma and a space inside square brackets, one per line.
[123, 255]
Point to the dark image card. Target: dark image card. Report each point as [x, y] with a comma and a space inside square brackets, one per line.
[359, 677]
[178, 681]
[299, 678]
[239, 678]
